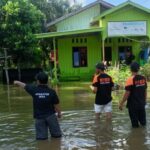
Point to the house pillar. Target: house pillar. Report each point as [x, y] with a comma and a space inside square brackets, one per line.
[55, 59]
[103, 49]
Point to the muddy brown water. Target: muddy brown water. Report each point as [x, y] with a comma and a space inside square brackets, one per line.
[80, 130]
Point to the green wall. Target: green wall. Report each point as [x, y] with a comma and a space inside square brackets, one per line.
[94, 44]
[79, 21]
[65, 53]
[115, 44]
[128, 13]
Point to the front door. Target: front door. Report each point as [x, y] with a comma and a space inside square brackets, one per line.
[108, 54]
[123, 51]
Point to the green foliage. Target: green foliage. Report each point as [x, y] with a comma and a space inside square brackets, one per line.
[145, 70]
[54, 8]
[19, 21]
[119, 74]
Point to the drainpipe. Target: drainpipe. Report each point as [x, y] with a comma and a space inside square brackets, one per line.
[55, 59]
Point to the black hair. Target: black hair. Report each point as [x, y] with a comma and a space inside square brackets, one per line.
[42, 77]
[100, 66]
[135, 67]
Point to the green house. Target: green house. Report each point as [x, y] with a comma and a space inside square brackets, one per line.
[97, 32]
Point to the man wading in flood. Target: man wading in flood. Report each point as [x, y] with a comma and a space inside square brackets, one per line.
[45, 104]
[135, 95]
[102, 86]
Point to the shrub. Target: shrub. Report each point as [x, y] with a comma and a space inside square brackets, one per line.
[145, 70]
[119, 74]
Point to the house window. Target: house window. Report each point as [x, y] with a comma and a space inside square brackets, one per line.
[79, 56]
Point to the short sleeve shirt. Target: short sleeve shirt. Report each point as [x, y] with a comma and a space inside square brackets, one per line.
[104, 85]
[44, 99]
[137, 86]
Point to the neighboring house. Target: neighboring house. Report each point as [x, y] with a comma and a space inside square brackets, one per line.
[98, 32]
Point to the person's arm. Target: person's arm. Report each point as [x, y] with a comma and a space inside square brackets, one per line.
[94, 84]
[145, 92]
[58, 110]
[124, 99]
[145, 96]
[94, 89]
[19, 83]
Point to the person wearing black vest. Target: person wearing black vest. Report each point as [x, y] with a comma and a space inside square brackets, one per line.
[135, 95]
[45, 106]
[102, 87]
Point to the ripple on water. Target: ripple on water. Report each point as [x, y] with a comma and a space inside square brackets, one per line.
[81, 131]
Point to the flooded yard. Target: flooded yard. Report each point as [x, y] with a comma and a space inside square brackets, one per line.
[80, 129]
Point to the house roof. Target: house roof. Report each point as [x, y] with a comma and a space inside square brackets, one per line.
[108, 5]
[67, 33]
[121, 6]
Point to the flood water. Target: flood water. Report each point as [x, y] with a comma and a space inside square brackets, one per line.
[80, 129]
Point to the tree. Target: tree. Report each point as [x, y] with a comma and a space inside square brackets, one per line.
[20, 20]
[54, 8]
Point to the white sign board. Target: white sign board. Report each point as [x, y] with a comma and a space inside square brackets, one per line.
[132, 28]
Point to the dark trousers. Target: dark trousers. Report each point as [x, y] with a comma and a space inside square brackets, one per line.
[42, 126]
[137, 115]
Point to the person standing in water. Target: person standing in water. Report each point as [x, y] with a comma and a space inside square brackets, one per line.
[102, 87]
[45, 105]
[135, 95]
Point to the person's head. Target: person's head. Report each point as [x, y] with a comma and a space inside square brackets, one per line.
[134, 67]
[42, 78]
[100, 67]
[128, 52]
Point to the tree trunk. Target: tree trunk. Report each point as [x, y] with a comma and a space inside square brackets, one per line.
[19, 71]
[6, 67]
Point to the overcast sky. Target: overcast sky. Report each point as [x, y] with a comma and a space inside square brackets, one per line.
[145, 3]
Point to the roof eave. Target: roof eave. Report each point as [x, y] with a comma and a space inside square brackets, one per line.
[67, 33]
[120, 6]
[78, 11]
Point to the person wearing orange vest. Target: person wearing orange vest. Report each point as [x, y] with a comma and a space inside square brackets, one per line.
[135, 95]
[102, 87]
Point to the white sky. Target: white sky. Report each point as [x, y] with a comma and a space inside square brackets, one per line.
[145, 3]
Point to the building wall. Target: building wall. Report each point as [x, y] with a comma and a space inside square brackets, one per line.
[79, 21]
[115, 44]
[128, 13]
[94, 44]
[65, 55]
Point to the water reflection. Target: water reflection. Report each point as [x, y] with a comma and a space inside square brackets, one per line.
[54, 144]
[8, 98]
[103, 134]
[81, 130]
[137, 139]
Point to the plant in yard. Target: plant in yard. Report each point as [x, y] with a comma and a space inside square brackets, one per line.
[145, 70]
[119, 74]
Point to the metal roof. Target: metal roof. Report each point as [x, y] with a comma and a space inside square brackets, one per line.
[121, 6]
[108, 5]
[67, 33]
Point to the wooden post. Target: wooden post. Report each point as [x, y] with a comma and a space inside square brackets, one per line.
[55, 59]
[6, 65]
[8, 96]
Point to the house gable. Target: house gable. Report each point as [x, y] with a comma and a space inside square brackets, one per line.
[126, 12]
[80, 19]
